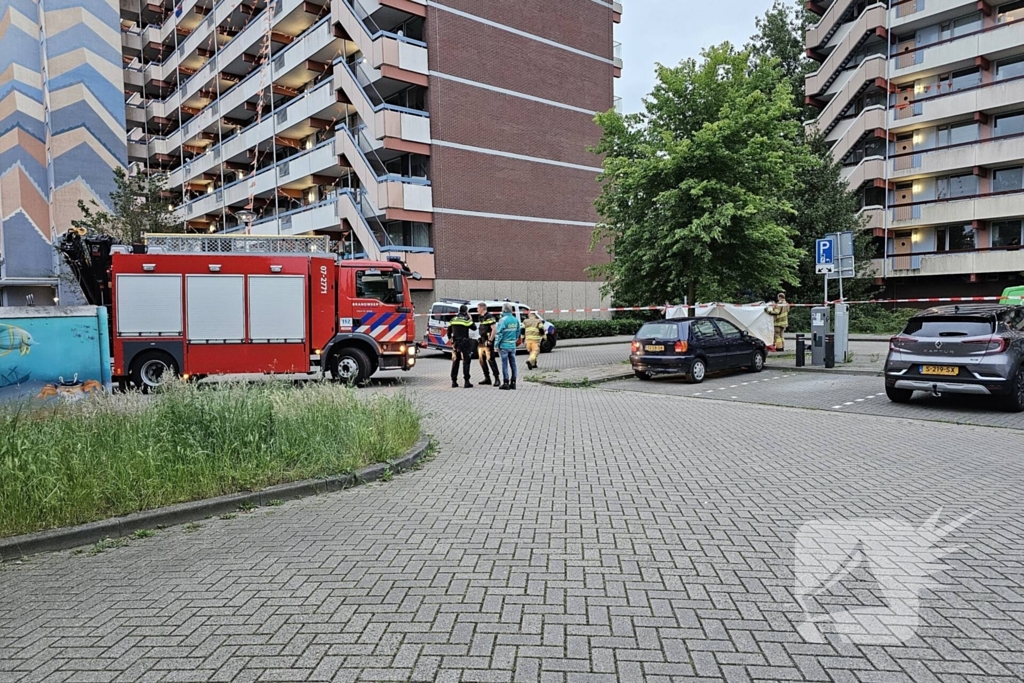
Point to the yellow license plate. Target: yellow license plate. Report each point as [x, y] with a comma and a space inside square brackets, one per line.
[946, 370]
[654, 347]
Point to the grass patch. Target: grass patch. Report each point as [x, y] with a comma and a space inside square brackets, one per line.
[112, 455]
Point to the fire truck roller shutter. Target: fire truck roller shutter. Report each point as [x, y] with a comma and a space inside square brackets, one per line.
[148, 305]
[216, 308]
[277, 308]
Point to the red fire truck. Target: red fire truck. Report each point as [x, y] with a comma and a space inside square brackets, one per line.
[198, 306]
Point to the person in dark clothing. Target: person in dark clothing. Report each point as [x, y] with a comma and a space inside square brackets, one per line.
[462, 346]
[485, 345]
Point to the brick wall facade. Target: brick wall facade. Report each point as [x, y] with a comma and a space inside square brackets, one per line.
[469, 248]
[489, 248]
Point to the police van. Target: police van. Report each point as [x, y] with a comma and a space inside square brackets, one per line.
[442, 311]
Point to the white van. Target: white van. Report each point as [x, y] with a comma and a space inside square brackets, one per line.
[444, 310]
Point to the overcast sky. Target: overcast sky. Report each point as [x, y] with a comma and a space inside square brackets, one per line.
[669, 31]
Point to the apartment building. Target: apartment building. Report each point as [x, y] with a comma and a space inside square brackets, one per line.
[923, 103]
[451, 133]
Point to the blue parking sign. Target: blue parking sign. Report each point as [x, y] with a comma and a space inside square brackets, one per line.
[824, 252]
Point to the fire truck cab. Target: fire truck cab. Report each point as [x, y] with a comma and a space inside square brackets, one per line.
[240, 310]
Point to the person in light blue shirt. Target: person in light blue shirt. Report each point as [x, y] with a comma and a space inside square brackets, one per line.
[506, 336]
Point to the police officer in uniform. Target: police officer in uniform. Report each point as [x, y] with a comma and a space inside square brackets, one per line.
[462, 346]
[485, 348]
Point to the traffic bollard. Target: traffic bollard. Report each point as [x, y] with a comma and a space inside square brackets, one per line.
[801, 349]
[830, 350]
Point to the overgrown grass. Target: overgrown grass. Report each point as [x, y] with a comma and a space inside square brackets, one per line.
[112, 455]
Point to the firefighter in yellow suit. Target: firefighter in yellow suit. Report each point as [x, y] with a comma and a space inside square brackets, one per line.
[533, 329]
[780, 311]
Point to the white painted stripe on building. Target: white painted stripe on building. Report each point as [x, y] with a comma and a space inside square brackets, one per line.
[509, 217]
[513, 93]
[520, 157]
[523, 34]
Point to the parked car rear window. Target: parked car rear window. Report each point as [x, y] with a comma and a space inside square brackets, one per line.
[951, 326]
[659, 331]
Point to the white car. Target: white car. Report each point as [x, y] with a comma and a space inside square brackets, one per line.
[444, 310]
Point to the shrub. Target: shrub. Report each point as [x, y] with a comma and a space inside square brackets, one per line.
[111, 455]
[579, 329]
[864, 319]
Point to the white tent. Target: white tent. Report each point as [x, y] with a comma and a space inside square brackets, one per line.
[753, 318]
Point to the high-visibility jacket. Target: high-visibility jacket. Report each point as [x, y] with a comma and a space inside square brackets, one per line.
[459, 327]
[781, 314]
[507, 332]
[533, 329]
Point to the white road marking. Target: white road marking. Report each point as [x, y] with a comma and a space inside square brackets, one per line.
[848, 403]
[836, 407]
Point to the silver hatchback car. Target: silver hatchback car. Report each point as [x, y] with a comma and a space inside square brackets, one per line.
[966, 349]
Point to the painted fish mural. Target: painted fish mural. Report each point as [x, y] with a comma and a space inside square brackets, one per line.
[13, 338]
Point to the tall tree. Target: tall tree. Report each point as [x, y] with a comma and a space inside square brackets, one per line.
[780, 36]
[137, 208]
[697, 189]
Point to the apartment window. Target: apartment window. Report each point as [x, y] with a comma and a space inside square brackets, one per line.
[1006, 233]
[956, 133]
[1010, 124]
[968, 78]
[954, 186]
[954, 238]
[968, 24]
[1008, 68]
[1007, 179]
[1011, 11]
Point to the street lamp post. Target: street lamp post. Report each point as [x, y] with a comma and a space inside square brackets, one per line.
[246, 216]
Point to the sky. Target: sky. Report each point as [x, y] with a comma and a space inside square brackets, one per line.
[669, 31]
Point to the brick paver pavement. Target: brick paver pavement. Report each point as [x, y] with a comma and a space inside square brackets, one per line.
[560, 535]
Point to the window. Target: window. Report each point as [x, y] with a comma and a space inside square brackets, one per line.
[1008, 68]
[1011, 11]
[1014, 319]
[956, 186]
[968, 24]
[951, 82]
[443, 312]
[1006, 233]
[666, 331]
[956, 133]
[1007, 179]
[728, 330]
[704, 330]
[954, 238]
[949, 326]
[379, 285]
[1010, 124]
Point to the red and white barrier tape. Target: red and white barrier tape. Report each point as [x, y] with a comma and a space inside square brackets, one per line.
[928, 300]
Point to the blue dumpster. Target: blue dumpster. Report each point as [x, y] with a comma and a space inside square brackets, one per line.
[52, 351]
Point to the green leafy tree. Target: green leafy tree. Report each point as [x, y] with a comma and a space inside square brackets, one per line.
[137, 208]
[780, 36]
[697, 190]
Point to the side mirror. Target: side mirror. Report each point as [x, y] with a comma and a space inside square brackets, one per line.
[416, 275]
[744, 334]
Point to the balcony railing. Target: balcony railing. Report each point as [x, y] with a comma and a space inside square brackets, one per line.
[617, 105]
[617, 53]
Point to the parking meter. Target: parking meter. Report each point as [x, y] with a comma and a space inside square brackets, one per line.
[820, 326]
[841, 328]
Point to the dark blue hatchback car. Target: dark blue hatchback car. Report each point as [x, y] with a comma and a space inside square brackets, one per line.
[694, 347]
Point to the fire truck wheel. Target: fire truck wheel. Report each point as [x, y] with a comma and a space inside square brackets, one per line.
[151, 370]
[350, 365]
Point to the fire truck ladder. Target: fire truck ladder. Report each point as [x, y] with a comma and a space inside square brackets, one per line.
[237, 244]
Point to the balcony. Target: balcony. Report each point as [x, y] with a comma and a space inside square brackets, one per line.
[376, 243]
[320, 216]
[869, 168]
[957, 211]
[913, 14]
[984, 153]
[952, 263]
[960, 52]
[294, 171]
[951, 106]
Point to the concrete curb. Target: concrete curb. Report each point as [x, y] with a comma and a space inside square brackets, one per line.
[51, 540]
[825, 371]
[568, 382]
[588, 341]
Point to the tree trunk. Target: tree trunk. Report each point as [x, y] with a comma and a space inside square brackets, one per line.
[691, 298]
